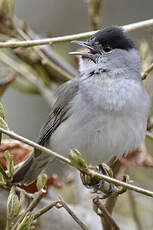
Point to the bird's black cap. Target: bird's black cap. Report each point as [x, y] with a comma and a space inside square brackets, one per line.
[113, 37]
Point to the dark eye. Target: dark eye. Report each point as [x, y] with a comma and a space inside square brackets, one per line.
[107, 49]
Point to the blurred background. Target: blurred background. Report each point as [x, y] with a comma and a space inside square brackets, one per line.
[27, 105]
[26, 113]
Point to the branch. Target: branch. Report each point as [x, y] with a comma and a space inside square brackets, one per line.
[45, 209]
[67, 38]
[46, 60]
[52, 55]
[77, 220]
[87, 171]
[104, 214]
[145, 74]
[62, 205]
[31, 206]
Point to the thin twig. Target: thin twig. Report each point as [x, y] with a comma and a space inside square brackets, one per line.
[45, 209]
[106, 215]
[146, 73]
[109, 206]
[64, 205]
[67, 38]
[46, 60]
[31, 206]
[77, 220]
[52, 55]
[111, 201]
[88, 171]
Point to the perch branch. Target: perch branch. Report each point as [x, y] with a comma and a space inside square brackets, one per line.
[67, 38]
[88, 171]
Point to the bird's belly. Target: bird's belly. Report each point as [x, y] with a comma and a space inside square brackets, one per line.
[99, 136]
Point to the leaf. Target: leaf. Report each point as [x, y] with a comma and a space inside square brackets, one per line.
[22, 200]
[9, 163]
[26, 223]
[13, 207]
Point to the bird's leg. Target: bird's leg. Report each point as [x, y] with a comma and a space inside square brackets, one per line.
[99, 186]
[105, 170]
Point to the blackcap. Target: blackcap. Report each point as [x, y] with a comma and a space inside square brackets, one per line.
[103, 112]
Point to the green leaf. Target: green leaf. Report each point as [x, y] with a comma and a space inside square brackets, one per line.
[13, 207]
[9, 163]
[2, 181]
[22, 200]
[26, 223]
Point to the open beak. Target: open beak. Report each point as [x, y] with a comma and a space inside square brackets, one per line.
[89, 54]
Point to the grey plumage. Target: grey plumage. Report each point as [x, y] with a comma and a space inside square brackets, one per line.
[103, 113]
[34, 164]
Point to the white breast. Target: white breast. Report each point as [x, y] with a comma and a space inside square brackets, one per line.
[100, 133]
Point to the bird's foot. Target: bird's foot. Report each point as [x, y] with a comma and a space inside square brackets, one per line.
[102, 185]
[99, 186]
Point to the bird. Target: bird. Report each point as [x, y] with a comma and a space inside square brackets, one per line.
[102, 112]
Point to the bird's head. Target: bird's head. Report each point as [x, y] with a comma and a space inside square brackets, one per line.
[108, 50]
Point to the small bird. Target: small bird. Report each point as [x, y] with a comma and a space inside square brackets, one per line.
[103, 112]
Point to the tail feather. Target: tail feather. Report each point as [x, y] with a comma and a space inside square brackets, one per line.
[31, 168]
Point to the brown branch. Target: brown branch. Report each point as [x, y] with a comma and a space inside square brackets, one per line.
[60, 204]
[45, 209]
[77, 220]
[104, 214]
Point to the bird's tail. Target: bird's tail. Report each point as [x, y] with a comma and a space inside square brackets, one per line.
[31, 168]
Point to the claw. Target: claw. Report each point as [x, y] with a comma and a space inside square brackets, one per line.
[98, 187]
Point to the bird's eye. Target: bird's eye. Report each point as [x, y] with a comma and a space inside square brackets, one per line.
[107, 49]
